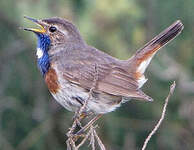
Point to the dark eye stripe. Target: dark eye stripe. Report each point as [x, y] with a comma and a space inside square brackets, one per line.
[52, 29]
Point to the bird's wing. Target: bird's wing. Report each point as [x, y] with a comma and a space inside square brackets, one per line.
[103, 74]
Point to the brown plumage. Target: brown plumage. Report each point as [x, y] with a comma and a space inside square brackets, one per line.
[77, 66]
[52, 81]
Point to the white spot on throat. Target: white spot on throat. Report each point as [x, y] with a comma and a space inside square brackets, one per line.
[39, 53]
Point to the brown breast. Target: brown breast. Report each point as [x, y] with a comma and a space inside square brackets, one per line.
[51, 80]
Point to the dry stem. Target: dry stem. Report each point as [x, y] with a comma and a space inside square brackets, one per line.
[91, 135]
[172, 87]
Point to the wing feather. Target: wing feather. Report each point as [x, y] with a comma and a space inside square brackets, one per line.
[111, 77]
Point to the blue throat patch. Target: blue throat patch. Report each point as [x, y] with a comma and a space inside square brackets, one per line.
[43, 44]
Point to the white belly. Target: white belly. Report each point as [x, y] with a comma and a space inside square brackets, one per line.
[66, 97]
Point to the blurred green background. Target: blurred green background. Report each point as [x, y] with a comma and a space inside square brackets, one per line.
[30, 119]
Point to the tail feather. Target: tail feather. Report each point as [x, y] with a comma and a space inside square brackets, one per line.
[144, 55]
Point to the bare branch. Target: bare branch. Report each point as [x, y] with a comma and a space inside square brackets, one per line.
[84, 140]
[92, 138]
[172, 87]
[89, 135]
[99, 141]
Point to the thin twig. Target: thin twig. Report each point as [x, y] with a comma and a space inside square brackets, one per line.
[80, 111]
[102, 147]
[89, 124]
[92, 138]
[68, 145]
[73, 144]
[172, 87]
[73, 138]
[84, 140]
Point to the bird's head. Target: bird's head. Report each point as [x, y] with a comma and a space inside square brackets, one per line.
[57, 30]
[53, 32]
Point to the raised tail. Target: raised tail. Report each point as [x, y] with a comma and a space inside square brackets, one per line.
[141, 59]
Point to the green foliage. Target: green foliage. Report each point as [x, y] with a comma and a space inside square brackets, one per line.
[31, 119]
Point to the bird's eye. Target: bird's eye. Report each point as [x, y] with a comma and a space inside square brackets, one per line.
[52, 29]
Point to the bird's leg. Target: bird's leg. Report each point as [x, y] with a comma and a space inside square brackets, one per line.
[72, 129]
[80, 114]
[83, 108]
[77, 122]
[78, 117]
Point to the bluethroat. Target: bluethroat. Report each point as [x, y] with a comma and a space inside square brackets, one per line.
[70, 67]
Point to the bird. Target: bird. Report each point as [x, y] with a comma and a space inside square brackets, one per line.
[71, 67]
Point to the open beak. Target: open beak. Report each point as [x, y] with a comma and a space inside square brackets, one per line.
[38, 22]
